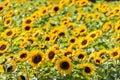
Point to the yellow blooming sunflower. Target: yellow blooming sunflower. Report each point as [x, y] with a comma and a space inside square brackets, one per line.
[88, 69]
[64, 65]
[114, 53]
[8, 22]
[36, 58]
[23, 55]
[4, 46]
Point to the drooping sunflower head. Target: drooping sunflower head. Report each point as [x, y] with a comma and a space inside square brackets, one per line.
[3, 46]
[88, 69]
[64, 65]
[36, 58]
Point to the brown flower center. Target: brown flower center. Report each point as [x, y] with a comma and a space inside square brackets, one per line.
[27, 28]
[64, 65]
[9, 68]
[51, 55]
[1, 8]
[93, 35]
[84, 42]
[72, 40]
[22, 77]
[24, 55]
[80, 56]
[87, 70]
[37, 59]
[115, 54]
[8, 21]
[68, 53]
[9, 33]
[47, 39]
[2, 47]
[56, 9]
[28, 21]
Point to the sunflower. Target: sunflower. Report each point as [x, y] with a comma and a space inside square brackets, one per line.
[8, 22]
[56, 47]
[46, 37]
[10, 13]
[114, 53]
[9, 33]
[97, 16]
[98, 61]
[42, 45]
[28, 21]
[7, 4]
[54, 37]
[1, 8]
[36, 58]
[56, 8]
[51, 54]
[93, 35]
[84, 42]
[82, 2]
[27, 28]
[92, 56]
[102, 53]
[108, 26]
[35, 15]
[82, 30]
[4, 46]
[72, 40]
[117, 28]
[67, 53]
[71, 26]
[88, 69]
[11, 67]
[64, 65]
[21, 77]
[11, 56]
[80, 55]
[79, 17]
[43, 11]
[32, 41]
[23, 55]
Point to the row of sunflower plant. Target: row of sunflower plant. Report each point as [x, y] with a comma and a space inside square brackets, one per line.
[59, 40]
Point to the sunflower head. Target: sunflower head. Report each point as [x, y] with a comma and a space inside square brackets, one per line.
[115, 53]
[36, 58]
[88, 69]
[23, 55]
[8, 22]
[80, 55]
[3, 46]
[64, 65]
[27, 27]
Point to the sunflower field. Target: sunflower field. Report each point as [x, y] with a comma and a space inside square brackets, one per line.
[59, 40]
